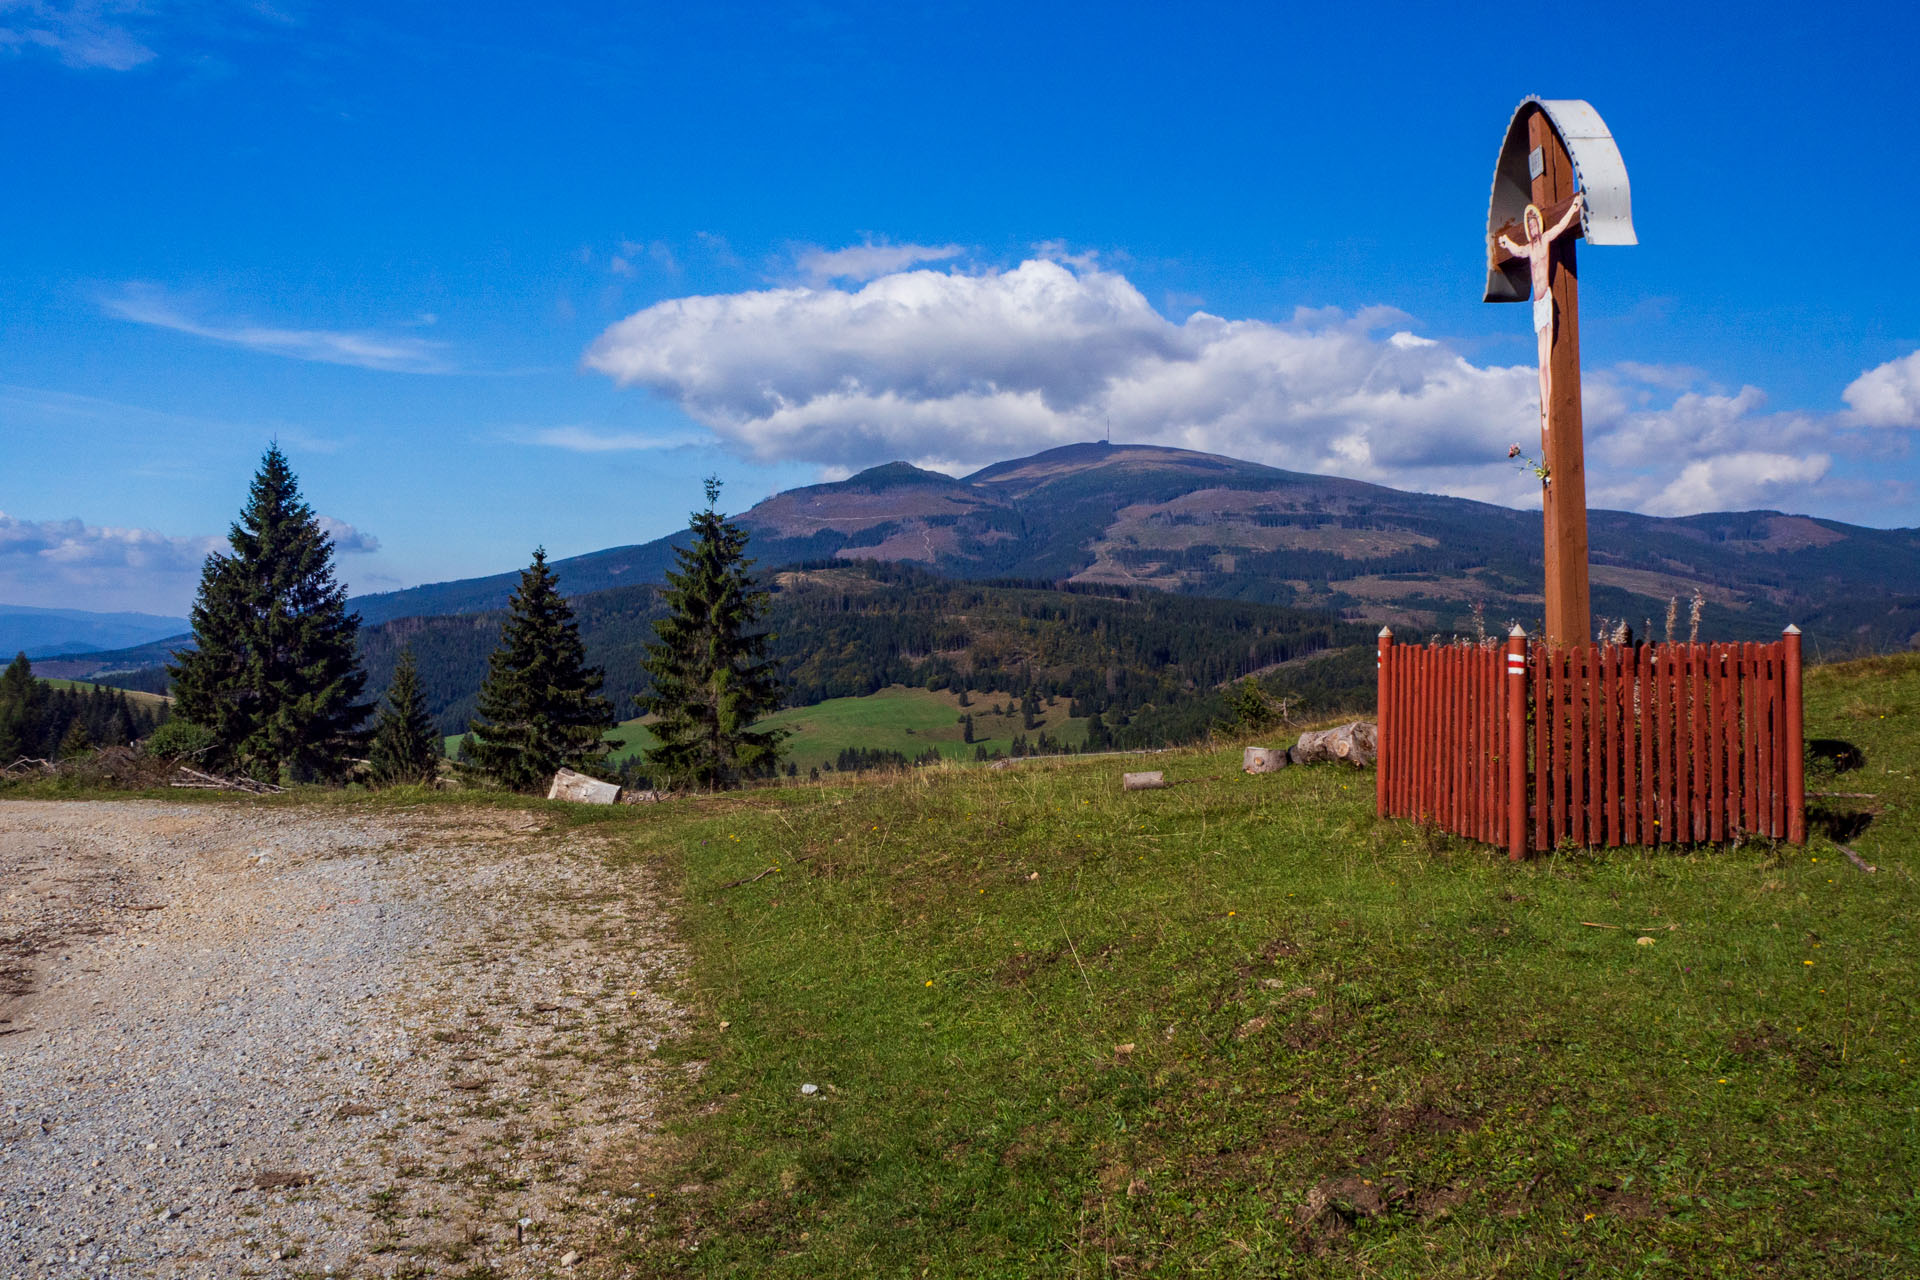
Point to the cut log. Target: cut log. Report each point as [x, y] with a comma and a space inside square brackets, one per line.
[1143, 781]
[1356, 744]
[579, 788]
[642, 797]
[1264, 760]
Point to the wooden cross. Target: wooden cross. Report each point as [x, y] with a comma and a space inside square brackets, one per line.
[1563, 496]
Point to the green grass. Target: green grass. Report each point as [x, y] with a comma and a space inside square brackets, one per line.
[135, 696]
[895, 719]
[1238, 1027]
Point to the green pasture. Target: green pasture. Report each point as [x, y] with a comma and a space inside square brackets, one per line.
[1238, 1027]
[900, 719]
[134, 696]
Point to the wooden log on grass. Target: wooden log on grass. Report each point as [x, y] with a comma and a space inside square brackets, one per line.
[579, 788]
[1264, 760]
[1143, 781]
[1357, 744]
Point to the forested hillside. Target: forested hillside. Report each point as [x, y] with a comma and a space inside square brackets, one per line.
[1203, 525]
[845, 630]
[45, 721]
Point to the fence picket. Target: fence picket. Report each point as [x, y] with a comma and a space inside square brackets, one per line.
[1776, 739]
[1683, 745]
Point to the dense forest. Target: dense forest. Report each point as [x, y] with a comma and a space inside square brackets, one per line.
[43, 721]
[1147, 662]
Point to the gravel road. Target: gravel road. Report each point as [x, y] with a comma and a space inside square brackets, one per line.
[254, 1039]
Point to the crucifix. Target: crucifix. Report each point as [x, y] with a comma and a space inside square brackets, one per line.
[1536, 246]
[1559, 179]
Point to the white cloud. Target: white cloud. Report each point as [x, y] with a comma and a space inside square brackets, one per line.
[1887, 395]
[54, 563]
[347, 539]
[1737, 481]
[81, 33]
[957, 369]
[587, 440]
[363, 350]
[864, 262]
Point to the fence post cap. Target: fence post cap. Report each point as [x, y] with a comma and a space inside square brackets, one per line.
[1518, 633]
[1791, 630]
[1386, 633]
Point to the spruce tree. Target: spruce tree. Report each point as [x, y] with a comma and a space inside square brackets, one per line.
[20, 699]
[405, 747]
[711, 675]
[540, 708]
[76, 741]
[275, 672]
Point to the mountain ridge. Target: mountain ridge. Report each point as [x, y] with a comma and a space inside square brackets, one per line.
[1203, 524]
[44, 632]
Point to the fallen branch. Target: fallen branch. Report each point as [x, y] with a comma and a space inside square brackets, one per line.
[735, 884]
[198, 781]
[28, 764]
[1594, 924]
[1845, 795]
[1857, 860]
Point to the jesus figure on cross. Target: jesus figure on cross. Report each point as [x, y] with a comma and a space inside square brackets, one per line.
[1536, 250]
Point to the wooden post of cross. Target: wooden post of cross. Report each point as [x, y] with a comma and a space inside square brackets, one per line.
[1559, 178]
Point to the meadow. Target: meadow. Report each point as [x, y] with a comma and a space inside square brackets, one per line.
[898, 718]
[1239, 1027]
[135, 696]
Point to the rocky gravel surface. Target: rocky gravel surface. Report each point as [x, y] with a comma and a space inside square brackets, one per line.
[245, 1038]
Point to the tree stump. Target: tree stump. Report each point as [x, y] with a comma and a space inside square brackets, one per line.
[1356, 744]
[1264, 760]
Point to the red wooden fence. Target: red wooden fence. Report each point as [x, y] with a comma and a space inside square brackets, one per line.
[1530, 747]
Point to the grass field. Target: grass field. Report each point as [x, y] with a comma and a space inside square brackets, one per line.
[134, 696]
[1237, 1027]
[895, 719]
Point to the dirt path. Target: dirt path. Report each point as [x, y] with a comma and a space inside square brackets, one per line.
[258, 1040]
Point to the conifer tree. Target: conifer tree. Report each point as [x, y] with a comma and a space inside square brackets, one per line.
[405, 747]
[711, 675]
[76, 741]
[20, 699]
[274, 672]
[540, 708]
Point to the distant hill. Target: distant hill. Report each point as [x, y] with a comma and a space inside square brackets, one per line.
[1199, 524]
[47, 632]
[1149, 661]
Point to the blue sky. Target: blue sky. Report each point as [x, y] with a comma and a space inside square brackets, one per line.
[505, 275]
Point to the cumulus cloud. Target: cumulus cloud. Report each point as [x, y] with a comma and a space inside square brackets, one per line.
[61, 563]
[390, 353]
[864, 262]
[347, 539]
[80, 33]
[1888, 395]
[1734, 480]
[955, 369]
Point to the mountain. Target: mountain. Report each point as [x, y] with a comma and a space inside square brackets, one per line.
[46, 632]
[1199, 524]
